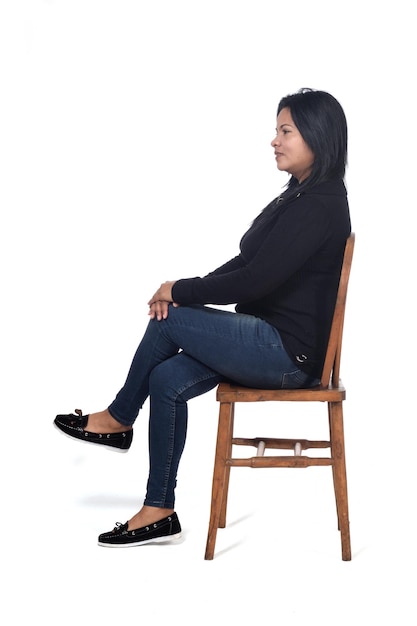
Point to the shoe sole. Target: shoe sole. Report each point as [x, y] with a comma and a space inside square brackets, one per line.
[165, 539]
[92, 443]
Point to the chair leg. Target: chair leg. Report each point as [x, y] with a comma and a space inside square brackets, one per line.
[219, 476]
[339, 475]
[334, 479]
[222, 520]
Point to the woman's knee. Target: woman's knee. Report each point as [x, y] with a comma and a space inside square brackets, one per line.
[162, 379]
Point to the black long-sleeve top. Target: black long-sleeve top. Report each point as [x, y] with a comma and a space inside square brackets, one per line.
[287, 272]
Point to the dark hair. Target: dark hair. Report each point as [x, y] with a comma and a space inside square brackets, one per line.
[322, 124]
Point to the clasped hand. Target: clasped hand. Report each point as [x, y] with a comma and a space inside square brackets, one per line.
[158, 304]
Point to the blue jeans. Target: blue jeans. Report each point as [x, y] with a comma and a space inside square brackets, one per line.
[184, 356]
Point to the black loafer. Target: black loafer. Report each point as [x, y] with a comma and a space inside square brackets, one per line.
[166, 529]
[74, 426]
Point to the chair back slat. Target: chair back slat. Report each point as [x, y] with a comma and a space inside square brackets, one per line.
[331, 368]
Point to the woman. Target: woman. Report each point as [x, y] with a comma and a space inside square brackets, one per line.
[284, 282]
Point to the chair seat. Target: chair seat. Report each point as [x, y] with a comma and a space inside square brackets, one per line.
[227, 392]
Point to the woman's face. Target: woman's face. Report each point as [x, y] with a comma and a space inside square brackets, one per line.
[292, 154]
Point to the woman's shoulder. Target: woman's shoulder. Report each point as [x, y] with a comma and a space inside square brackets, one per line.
[332, 187]
[327, 196]
[322, 207]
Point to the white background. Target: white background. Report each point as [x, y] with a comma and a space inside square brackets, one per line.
[135, 148]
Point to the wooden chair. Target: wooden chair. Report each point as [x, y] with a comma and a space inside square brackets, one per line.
[330, 390]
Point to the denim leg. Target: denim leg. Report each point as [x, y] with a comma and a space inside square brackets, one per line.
[171, 385]
[152, 350]
[242, 348]
[184, 356]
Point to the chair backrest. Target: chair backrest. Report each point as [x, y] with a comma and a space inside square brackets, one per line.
[331, 366]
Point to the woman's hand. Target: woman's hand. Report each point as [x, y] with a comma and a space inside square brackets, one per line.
[158, 304]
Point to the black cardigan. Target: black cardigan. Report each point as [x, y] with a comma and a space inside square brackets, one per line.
[287, 272]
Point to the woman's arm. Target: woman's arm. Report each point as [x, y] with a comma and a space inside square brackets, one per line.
[271, 253]
[158, 304]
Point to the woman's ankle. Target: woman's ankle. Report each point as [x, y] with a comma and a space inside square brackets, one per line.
[148, 515]
[103, 422]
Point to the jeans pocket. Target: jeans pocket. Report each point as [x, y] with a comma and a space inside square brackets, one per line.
[295, 380]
